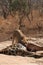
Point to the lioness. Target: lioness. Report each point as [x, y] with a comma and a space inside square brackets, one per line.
[19, 37]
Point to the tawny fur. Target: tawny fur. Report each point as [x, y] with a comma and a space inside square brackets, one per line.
[19, 37]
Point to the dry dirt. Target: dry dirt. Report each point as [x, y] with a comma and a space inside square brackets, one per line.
[17, 60]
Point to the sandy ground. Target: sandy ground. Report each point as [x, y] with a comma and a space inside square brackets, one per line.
[5, 44]
[17, 60]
